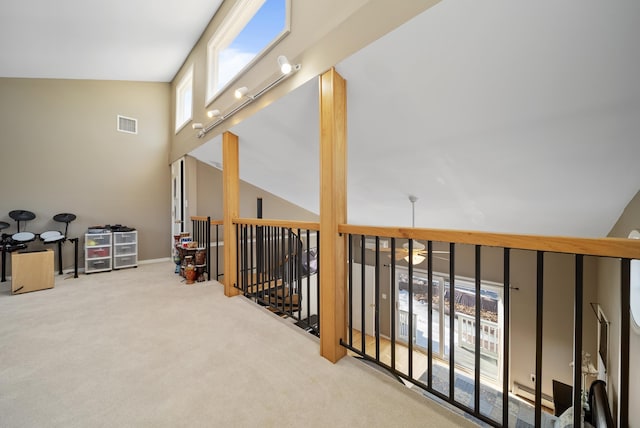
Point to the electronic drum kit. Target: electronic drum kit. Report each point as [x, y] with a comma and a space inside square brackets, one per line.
[21, 239]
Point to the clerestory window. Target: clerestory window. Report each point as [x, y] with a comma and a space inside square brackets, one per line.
[184, 99]
[249, 31]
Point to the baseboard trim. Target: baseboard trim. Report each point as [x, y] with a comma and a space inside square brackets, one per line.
[529, 394]
[150, 261]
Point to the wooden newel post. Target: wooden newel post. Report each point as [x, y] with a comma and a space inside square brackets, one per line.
[231, 209]
[333, 211]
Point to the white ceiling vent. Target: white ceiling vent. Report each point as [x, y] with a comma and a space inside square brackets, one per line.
[127, 124]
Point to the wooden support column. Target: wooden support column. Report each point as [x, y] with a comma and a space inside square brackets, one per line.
[333, 211]
[231, 209]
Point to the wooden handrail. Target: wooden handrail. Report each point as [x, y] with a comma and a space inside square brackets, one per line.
[293, 224]
[202, 218]
[607, 247]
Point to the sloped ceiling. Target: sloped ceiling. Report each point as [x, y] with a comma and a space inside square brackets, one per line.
[498, 116]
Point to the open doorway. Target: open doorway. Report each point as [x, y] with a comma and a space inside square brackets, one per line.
[177, 198]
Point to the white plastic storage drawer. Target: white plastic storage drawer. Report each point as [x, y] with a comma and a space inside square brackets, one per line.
[124, 249]
[98, 239]
[125, 261]
[98, 252]
[125, 237]
[98, 265]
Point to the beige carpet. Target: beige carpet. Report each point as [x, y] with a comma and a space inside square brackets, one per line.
[137, 347]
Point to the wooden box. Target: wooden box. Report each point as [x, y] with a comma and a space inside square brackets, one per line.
[31, 271]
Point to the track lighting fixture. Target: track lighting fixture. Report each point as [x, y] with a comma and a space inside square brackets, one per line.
[285, 65]
[241, 92]
[214, 113]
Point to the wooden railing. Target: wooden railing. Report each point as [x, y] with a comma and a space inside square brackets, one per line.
[360, 237]
[277, 267]
[623, 249]
[201, 232]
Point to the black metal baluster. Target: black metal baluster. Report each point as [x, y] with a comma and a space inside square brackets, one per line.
[281, 262]
[217, 253]
[253, 280]
[539, 315]
[410, 303]
[363, 287]
[350, 290]
[308, 298]
[318, 282]
[237, 256]
[506, 279]
[625, 330]
[270, 272]
[452, 320]
[430, 315]
[208, 250]
[377, 298]
[478, 330]
[577, 342]
[394, 310]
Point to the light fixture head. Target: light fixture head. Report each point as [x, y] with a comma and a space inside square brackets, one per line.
[284, 64]
[241, 92]
[197, 125]
[214, 113]
[415, 260]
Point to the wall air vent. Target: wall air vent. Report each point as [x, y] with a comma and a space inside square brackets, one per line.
[127, 124]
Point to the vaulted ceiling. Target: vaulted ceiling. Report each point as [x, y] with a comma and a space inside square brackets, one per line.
[503, 117]
[498, 116]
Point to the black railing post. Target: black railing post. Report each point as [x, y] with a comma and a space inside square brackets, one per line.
[410, 303]
[452, 319]
[350, 289]
[539, 324]
[259, 241]
[478, 331]
[377, 298]
[363, 287]
[217, 251]
[318, 281]
[308, 302]
[430, 314]
[625, 330]
[506, 279]
[238, 248]
[577, 342]
[208, 253]
[394, 310]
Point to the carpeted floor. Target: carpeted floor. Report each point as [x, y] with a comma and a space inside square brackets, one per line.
[138, 348]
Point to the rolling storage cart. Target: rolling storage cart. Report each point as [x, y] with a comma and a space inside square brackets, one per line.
[97, 252]
[125, 249]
